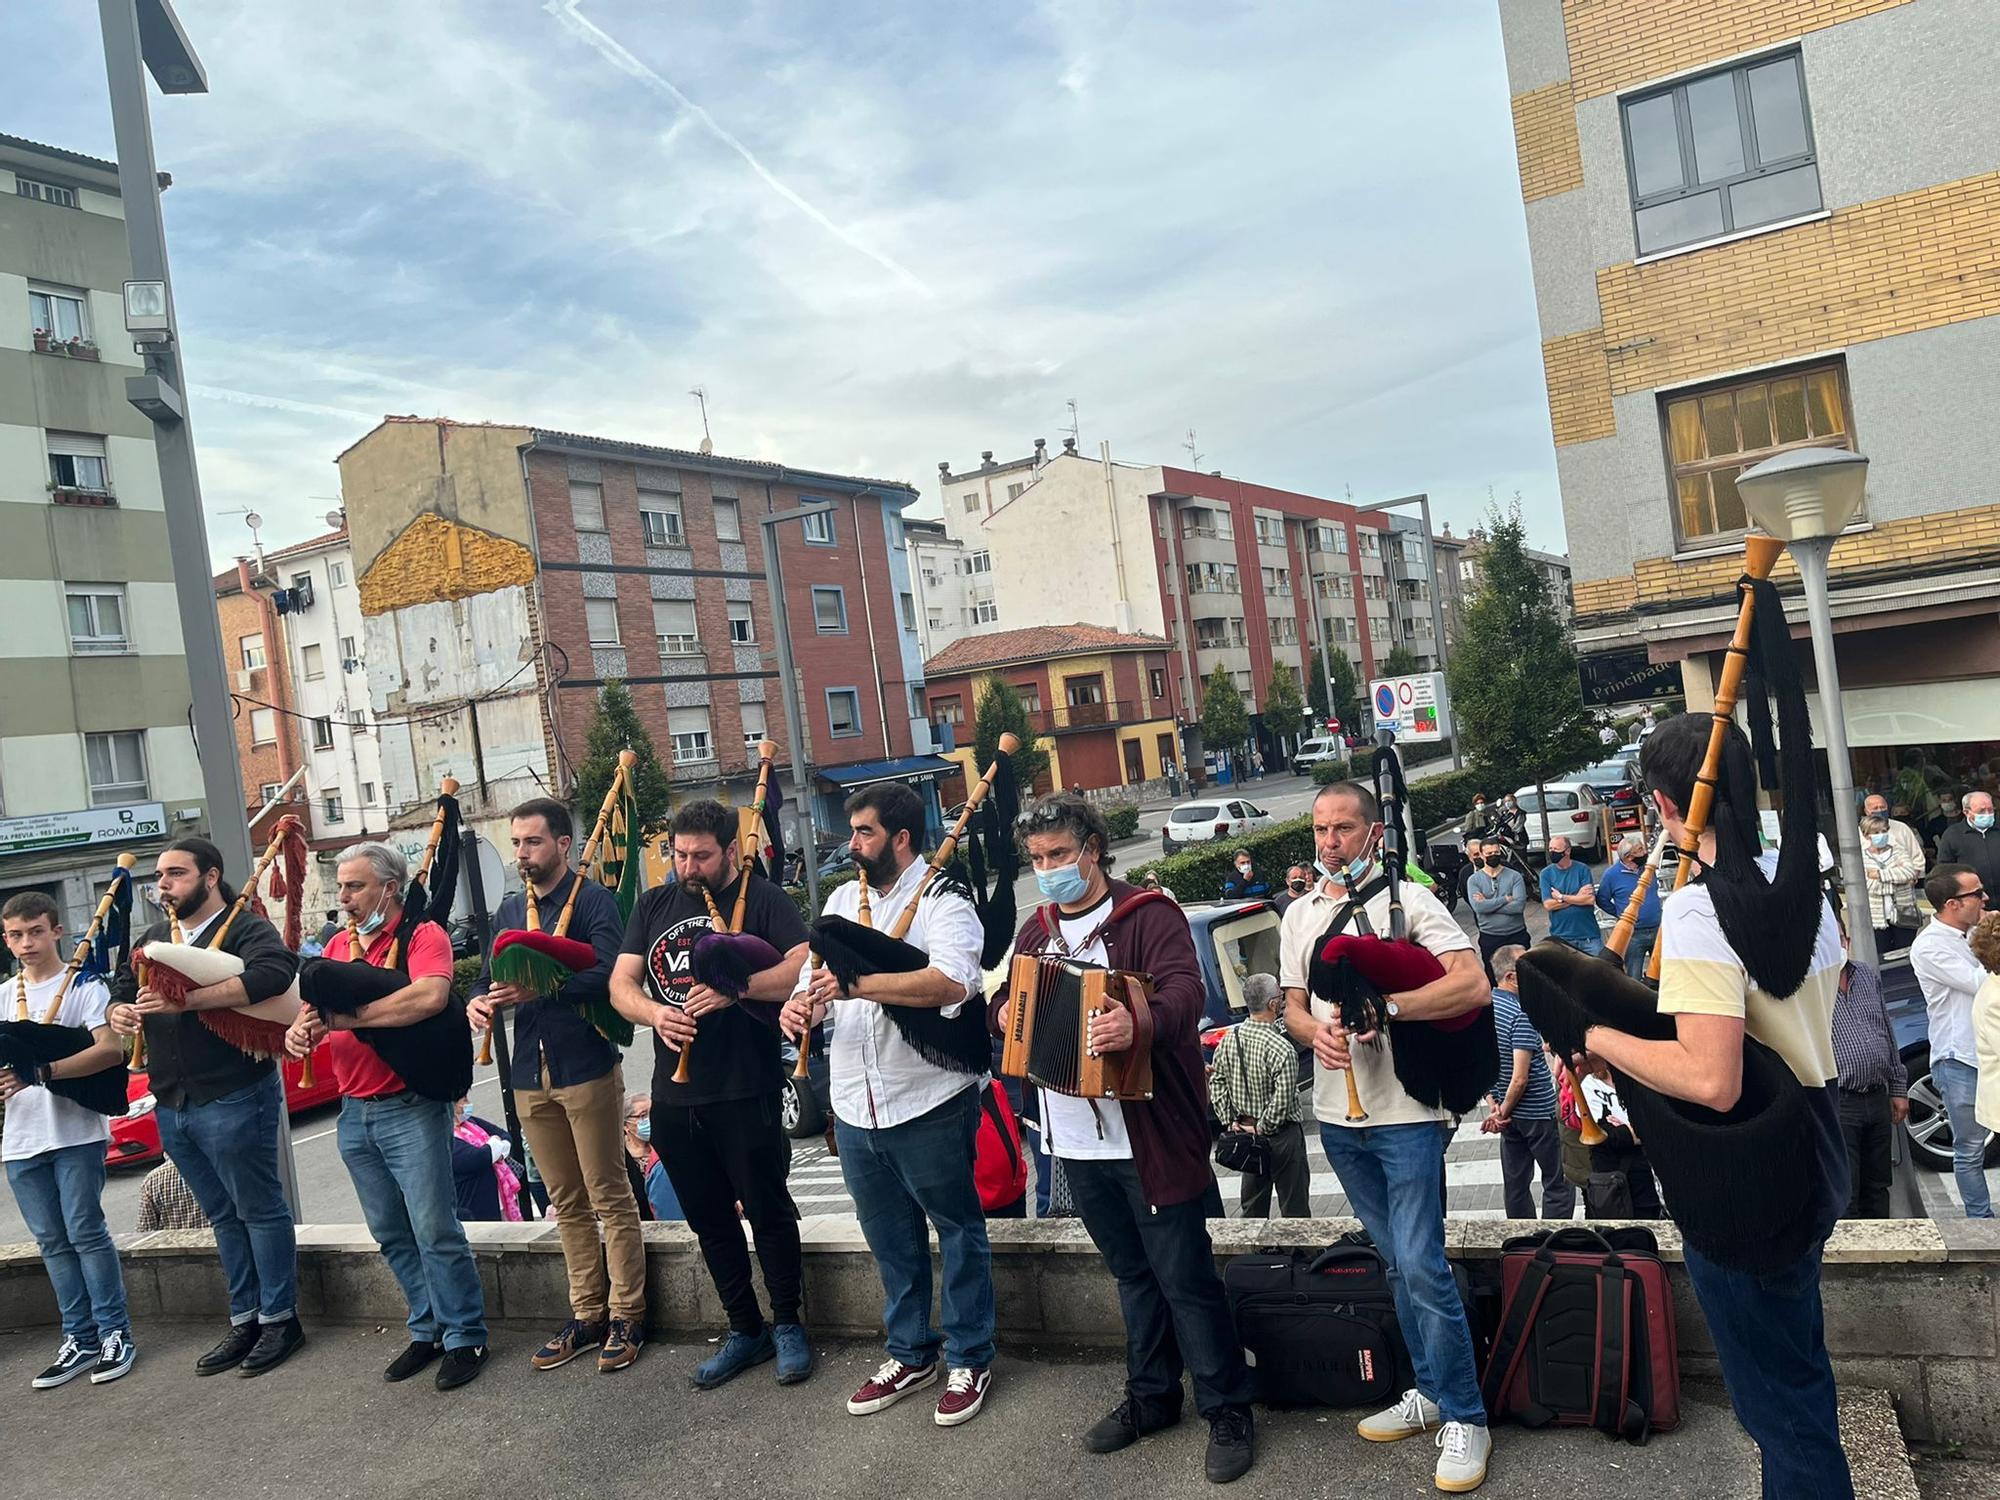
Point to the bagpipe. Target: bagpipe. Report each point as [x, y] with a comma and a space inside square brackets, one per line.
[851, 949]
[27, 1043]
[1448, 1063]
[543, 962]
[1738, 1182]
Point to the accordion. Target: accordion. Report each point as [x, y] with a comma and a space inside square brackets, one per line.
[1047, 1040]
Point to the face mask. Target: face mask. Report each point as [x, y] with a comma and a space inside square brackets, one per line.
[1982, 821]
[374, 923]
[1244, 871]
[1063, 884]
[1298, 886]
[1879, 840]
[1492, 861]
[644, 1129]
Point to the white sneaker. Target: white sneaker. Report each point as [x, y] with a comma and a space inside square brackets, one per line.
[1462, 1453]
[1415, 1413]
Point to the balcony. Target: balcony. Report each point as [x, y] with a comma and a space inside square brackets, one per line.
[1069, 718]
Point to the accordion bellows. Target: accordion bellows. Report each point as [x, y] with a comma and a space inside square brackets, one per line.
[257, 1029]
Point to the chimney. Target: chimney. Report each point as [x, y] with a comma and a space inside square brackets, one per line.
[944, 467]
[1069, 445]
[1041, 451]
[986, 458]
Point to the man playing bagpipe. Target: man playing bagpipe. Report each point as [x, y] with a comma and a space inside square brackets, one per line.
[54, 1148]
[1138, 1169]
[906, 1087]
[393, 1000]
[1413, 1064]
[219, 1108]
[569, 1086]
[720, 1134]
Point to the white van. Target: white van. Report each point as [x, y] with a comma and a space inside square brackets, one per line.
[1312, 752]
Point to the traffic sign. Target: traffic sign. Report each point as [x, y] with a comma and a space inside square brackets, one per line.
[1415, 707]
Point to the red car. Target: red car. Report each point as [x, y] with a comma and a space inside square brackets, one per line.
[135, 1136]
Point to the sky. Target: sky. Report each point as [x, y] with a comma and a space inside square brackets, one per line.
[879, 235]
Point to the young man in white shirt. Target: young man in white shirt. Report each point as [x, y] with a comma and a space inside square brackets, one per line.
[1950, 978]
[905, 1123]
[54, 1151]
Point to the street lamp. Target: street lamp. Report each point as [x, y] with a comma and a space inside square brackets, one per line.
[788, 683]
[1423, 505]
[1806, 498]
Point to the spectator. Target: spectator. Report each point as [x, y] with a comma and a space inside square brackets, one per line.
[1985, 944]
[1893, 872]
[1499, 899]
[1298, 879]
[1621, 1179]
[1874, 1093]
[328, 928]
[1510, 823]
[1607, 735]
[1569, 1125]
[1568, 894]
[1478, 820]
[1473, 856]
[1614, 894]
[167, 1202]
[1152, 883]
[1951, 979]
[1246, 883]
[1524, 1106]
[1253, 1084]
[481, 1176]
[1973, 840]
[1902, 837]
[650, 1184]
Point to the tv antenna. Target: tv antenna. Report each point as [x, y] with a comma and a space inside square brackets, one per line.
[1075, 431]
[700, 394]
[1194, 456]
[256, 524]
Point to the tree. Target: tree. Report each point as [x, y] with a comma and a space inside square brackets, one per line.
[1346, 689]
[1224, 723]
[1284, 710]
[1316, 689]
[999, 710]
[1516, 699]
[1401, 662]
[614, 727]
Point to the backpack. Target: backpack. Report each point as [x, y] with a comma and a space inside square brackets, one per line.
[999, 1170]
[1587, 1335]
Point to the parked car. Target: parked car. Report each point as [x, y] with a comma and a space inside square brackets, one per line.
[1928, 1128]
[1573, 811]
[1616, 783]
[1217, 818]
[135, 1135]
[1318, 749]
[806, 1105]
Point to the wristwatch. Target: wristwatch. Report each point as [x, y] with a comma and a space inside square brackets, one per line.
[1393, 1009]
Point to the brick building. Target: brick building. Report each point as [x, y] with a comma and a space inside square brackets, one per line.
[1768, 224]
[253, 643]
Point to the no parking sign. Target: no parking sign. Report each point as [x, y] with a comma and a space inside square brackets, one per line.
[1414, 706]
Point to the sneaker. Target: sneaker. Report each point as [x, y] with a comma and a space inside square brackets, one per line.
[231, 1352]
[72, 1360]
[572, 1339]
[890, 1384]
[1415, 1413]
[1232, 1444]
[738, 1353]
[623, 1339]
[461, 1367]
[1462, 1453]
[412, 1361]
[115, 1358]
[795, 1353]
[275, 1343]
[1122, 1427]
[964, 1394]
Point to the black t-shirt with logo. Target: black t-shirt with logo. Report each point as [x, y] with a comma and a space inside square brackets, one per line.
[735, 1054]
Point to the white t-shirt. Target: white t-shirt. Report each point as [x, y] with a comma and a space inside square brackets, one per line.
[38, 1120]
[1084, 1129]
[1605, 1104]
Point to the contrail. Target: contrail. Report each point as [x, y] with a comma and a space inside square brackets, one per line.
[278, 403]
[565, 12]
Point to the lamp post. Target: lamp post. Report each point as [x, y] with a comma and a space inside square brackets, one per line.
[788, 682]
[1806, 498]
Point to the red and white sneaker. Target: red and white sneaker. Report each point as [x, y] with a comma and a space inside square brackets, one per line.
[890, 1384]
[964, 1394]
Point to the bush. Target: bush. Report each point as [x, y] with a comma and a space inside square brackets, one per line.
[1327, 772]
[1197, 874]
[465, 973]
[1123, 818]
[798, 893]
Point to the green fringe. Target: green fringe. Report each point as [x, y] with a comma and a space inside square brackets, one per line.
[523, 966]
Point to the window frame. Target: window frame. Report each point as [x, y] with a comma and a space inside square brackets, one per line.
[270, 718]
[748, 620]
[322, 732]
[840, 595]
[603, 520]
[116, 793]
[102, 458]
[706, 735]
[336, 574]
[250, 651]
[690, 637]
[54, 293]
[734, 509]
[674, 534]
[859, 728]
[332, 808]
[55, 194]
[751, 740]
[813, 523]
[309, 653]
[591, 638]
[98, 642]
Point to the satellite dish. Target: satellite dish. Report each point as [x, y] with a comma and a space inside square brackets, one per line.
[335, 519]
[707, 446]
[252, 519]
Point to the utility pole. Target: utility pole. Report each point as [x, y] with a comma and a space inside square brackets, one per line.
[788, 681]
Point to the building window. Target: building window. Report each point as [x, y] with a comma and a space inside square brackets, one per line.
[754, 730]
[357, 723]
[1714, 435]
[1211, 634]
[948, 710]
[1014, 491]
[674, 624]
[586, 505]
[600, 616]
[96, 617]
[312, 662]
[76, 462]
[979, 562]
[1031, 696]
[1284, 631]
[1237, 636]
[728, 524]
[986, 612]
[830, 611]
[743, 627]
[367, 793]
[1278, 581]
[819, 527]
[349, 657]
[331, 808]
[1243, 682]
[268, 792]
[252, 648]
[322, 733]
[660, 519]
[116, 765]
[688, 729]
[1727, 151]
[1270, 531]
[1156, 679]
[59, 312]
[909, 605]
[47, 192]
[843, 712]
[336, 574]
[971, 501]
[264, 727]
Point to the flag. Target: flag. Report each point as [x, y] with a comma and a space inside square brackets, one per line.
[774, 835]
[621, 864]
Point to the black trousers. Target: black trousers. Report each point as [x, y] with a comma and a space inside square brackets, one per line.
[1491, 943]
[1869, 1133]
[719, 1155]
[1175, 1313]
[1291, 1174]
[1629, 1161]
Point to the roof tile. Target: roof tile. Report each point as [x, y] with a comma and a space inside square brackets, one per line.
[1034, 643]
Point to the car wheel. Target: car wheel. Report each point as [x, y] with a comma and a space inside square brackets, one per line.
[1929, 1127]
[798, 1110]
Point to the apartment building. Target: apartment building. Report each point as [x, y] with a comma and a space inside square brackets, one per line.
[267, 724]
[1459, 574]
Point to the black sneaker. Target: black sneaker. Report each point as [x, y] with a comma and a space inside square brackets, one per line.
[461, 1367]
[72, 1360]
[231, 1352]
[275, 1343]
[411, 1361]
[115, 1358]
[1123, 1427]
[1231, 1444]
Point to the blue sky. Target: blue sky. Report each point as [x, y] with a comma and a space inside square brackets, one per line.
[880, 235]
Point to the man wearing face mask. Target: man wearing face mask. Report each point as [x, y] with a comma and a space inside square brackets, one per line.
[1298, 880]
[1139, 1171]
[1245, 884]
[1614, 893]
[1568, 893]
[1391, 1163]
[1903, 841]
[1498, 896]
[1973, 840]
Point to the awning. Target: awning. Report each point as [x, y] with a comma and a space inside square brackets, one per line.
[868, 772]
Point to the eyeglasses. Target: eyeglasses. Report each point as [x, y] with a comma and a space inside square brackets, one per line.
[1977, 893]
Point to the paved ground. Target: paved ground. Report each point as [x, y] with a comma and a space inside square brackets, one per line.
[326, 1425]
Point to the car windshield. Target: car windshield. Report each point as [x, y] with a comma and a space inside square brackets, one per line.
[1529, 802]
[1197, 812]
[1612, 771]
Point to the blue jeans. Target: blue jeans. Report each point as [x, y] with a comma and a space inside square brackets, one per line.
[1394, 1177]
[1590, 945]
[899, 1176]
[227, 1153]
[61, 1194]
[1958, 1081]
[1640, 950]
[398, 1151]
[1770, 1338]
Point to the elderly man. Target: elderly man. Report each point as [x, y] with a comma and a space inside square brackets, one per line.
[1568, 893]
[1950, 977]
[1973, 840]
[1614, 893]
[1253, 1085]
[1903, 840]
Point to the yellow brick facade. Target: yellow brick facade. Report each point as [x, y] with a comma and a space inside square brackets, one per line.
[1579, 384]
[434, 561]
[1616, 44]
[1545, 141]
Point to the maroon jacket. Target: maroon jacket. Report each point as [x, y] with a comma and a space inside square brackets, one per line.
[1170, 1132]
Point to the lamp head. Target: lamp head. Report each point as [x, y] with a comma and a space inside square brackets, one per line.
[1808, 492]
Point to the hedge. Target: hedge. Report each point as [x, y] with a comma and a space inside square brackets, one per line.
[1197, 874]
[465, 973]
[798, 892]
[1123, 817]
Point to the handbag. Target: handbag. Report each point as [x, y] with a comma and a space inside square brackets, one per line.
[1907, 914]
[1242, 1151]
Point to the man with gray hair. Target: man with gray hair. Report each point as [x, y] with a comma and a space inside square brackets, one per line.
[1253, 1085]
[1524, 1105]
[1614, 893]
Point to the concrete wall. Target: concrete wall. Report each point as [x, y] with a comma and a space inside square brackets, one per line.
[464, 472]
[1040, 584]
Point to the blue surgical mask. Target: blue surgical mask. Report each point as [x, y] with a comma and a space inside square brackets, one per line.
[644, 1129]
[374, 923]
[1063, 884]
[1982, 821]
[1879, 840]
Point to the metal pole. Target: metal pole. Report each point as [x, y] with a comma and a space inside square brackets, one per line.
[1437, 609]
[482, 934]
[774, 582]
[1811, 554]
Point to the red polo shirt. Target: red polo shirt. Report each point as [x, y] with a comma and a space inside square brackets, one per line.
[357, 1067]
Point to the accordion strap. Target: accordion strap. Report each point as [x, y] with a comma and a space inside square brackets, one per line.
[1051, 918]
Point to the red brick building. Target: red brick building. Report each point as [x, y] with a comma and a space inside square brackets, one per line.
[253, 645]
